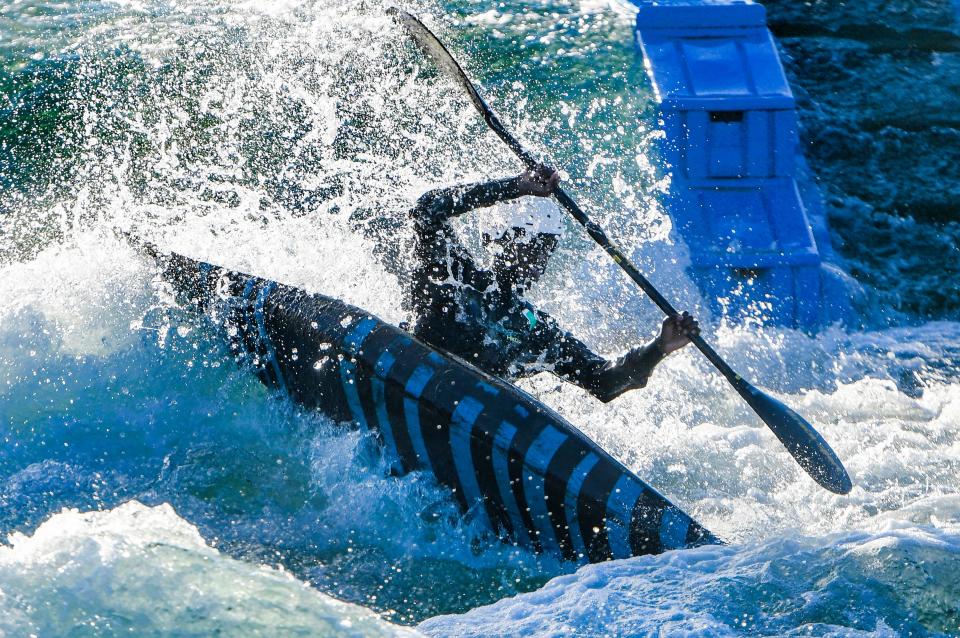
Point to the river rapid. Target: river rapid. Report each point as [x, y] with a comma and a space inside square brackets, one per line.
[150, 486]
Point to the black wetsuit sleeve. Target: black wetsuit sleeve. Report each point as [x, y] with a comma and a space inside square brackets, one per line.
[571, 359]
[628, 372]
[437, 206]
[438, 254]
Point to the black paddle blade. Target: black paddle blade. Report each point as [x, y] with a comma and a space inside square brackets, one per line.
[804, 443]
[435, 50]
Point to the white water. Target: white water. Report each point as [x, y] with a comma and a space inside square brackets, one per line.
[289, 142]
[145, 571]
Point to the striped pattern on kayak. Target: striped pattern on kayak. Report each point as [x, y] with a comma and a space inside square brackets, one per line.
[537, 480]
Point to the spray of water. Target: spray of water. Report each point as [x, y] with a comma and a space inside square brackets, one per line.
[289, 140]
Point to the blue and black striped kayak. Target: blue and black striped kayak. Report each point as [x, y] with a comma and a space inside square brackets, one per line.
[537, 480]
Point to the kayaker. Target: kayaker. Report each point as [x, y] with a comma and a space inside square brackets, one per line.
[480, 314]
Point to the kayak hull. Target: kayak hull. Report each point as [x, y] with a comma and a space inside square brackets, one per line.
[536, 479]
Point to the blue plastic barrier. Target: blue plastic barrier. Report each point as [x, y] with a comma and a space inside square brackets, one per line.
[739, 197]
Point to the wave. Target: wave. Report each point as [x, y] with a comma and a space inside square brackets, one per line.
[145, 571]
[896, 581]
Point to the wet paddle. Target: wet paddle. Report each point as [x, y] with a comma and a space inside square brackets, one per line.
[806, 445]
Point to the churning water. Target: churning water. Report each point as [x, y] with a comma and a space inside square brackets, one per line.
[149, 486]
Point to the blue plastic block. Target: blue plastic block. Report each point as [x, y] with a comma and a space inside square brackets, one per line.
[684, 15]
[698, 53]
[744, 223]
[726, 142]
[731, 149]
[782, 295]
[730, 143]
[807, 295]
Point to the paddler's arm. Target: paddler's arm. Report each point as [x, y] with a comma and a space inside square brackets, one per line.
[439, 205]
[606, 379]
[633, 369]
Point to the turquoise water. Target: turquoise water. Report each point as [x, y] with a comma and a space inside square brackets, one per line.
[288, 139]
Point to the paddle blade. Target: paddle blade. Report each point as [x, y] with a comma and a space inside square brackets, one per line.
[805, 444]
[438, 53]
[442, 58]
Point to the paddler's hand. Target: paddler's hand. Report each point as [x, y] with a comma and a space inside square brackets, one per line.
[676, 332]
[541, 181]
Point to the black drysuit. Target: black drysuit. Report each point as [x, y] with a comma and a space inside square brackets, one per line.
[464, 309]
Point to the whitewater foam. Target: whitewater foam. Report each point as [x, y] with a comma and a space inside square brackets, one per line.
[145, 571]
[901, 580]
[289, 141]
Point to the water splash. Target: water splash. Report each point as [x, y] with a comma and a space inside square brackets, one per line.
[144, 570]
[289, 141]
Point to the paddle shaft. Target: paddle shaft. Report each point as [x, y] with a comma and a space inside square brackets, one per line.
[803, 442]
[597, 234]
[600, 237]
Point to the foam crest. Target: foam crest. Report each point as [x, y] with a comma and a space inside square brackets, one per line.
[784, 587]
[147, 571]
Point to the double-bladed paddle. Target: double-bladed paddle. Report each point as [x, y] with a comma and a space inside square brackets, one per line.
[806, 445]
